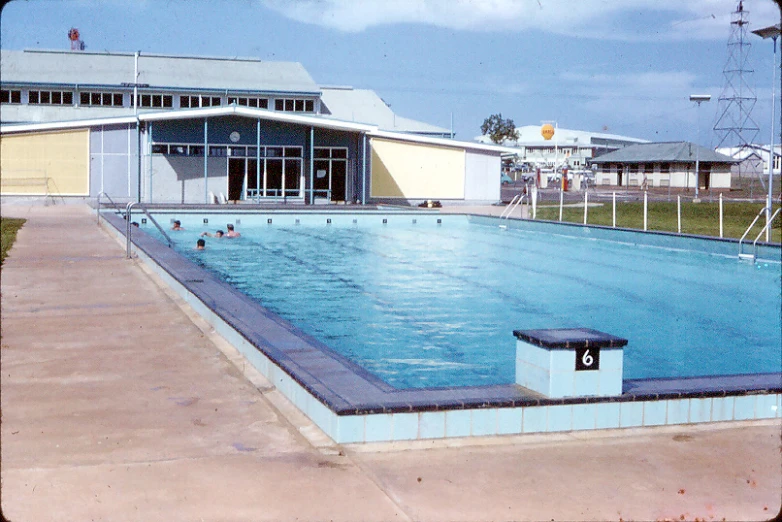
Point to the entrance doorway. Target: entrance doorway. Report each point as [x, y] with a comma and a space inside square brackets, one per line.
[331, 166]
[237, 169]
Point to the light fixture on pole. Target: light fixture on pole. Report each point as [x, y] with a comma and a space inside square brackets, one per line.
[773, 33]
[698, 98]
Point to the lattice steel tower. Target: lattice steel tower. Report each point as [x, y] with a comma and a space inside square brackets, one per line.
[735, 126]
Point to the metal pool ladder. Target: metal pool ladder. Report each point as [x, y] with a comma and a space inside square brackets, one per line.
[752, 256]
[515, 202]
[129, 226]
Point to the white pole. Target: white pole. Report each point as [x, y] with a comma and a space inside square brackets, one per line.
[534, 201]
[586, 206]
[679, 212]
[771, 146]
[561, 201]
[135, 84]
[645, 208]
[720, 214]
[614, 206]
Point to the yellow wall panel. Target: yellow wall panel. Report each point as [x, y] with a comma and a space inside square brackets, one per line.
[416, 171]
[46, 162]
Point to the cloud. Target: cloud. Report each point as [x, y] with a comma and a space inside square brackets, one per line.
[598, 19]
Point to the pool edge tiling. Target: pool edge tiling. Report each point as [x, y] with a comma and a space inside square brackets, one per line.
[351, 405]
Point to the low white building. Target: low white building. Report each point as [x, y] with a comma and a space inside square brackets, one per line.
[670, 164]
[565, 148]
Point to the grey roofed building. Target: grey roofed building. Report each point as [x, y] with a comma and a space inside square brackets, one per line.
[53, 67]
[364, 105]
[670, 152]
[667, 164]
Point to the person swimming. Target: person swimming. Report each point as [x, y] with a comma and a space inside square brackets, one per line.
[231, 232]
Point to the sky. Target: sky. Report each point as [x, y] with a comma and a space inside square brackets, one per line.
[618, 66]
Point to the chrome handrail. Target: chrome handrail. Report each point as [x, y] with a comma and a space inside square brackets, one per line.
[741, 241]
[515, 202]
[112, 202]
[762, 230]
[129, 226]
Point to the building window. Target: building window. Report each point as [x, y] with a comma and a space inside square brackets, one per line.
[49, 98]
[155, 100]
[10, 96]
[186, 102]
[98, 99]
[256, 103]
[291, 105]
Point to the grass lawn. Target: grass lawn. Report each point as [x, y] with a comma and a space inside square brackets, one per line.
[9, 227]
[697, 218]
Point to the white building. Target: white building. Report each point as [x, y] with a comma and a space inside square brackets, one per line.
[566, 148]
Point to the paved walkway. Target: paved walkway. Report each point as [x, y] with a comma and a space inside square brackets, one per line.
[119, 404]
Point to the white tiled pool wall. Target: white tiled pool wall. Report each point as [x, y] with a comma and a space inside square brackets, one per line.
[196, 220]
[552, 372]
[482, 421]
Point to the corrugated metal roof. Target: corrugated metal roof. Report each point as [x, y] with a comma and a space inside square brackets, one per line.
[442, 142]
[170, 72]
[666, 152]
[206, 112]
[364, 105]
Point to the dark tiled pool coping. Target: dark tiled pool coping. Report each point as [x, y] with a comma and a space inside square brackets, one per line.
[348, 389]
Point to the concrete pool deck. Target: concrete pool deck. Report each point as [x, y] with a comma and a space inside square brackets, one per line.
[118, 403]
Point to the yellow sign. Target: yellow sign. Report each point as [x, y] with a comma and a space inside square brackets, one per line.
[547, 131]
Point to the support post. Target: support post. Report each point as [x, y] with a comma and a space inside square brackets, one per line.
[312, 165]
[613, 198]
[206, 159]
[364, 172]
[586, 205]
[679, 213]
[646, 208]
[561, 202]
[258, 162]
[720, 214]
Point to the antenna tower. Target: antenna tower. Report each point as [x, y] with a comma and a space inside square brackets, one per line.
[735, 126]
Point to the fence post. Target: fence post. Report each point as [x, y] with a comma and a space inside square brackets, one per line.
[534, 201]
[614, 208]
[645, 208]
[720, 214]
[586, 205]
[679, 212]
[561, 201]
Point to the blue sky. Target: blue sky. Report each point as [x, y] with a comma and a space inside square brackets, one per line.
[618, 66]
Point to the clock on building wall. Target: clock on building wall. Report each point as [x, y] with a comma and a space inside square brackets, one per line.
[235, 137]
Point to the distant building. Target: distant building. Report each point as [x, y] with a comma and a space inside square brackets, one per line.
[670, 164]
[753, 159]
[566, 148]
[188, 129]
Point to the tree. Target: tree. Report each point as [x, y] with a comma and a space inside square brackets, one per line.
[499, 129]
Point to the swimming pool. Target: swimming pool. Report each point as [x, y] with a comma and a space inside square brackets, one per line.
[425, 304]
[353, 404]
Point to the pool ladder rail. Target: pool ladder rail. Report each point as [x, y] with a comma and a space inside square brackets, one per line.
[517, 200]
[752, 256]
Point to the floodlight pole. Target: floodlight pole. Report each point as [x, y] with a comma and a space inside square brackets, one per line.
[698, 98]
[772, 32]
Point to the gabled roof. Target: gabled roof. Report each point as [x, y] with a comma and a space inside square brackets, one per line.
[666, 152]
[166, 72]
[364, 105]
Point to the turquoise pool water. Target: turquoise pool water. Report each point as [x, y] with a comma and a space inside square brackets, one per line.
[434, 305]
